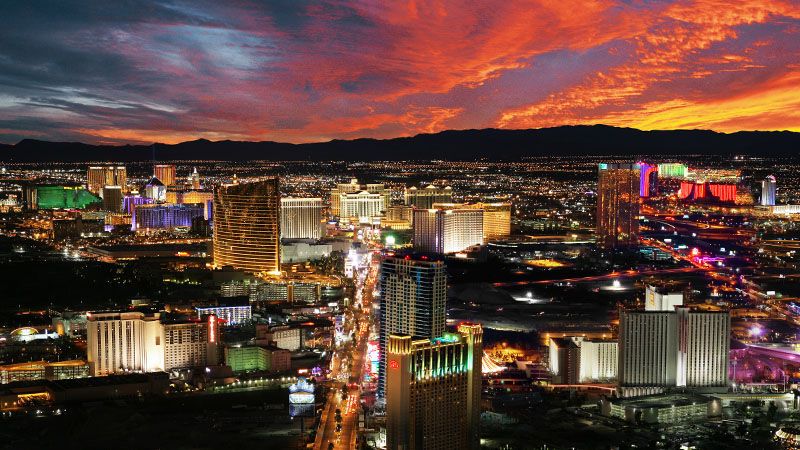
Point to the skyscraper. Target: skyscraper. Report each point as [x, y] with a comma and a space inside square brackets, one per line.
[413, 295]
[112, 198]
[648, 182]
[99, 177]
[301, 218]
[679, 348]
[425, 198]
[447, 230]
[768, 188]
[247, 226]
[433, 390]
[165, 173]
[496, 217]
[195, 179]
[617, 205]
[119, 342]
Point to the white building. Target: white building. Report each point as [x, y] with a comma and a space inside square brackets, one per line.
[301, 218]
[447, 231]
[191, 344]
[363, 202]
[120, 342]
[578, 360]
[303, 251]
[661, 299]
[286, 338]
[680, 348]
[768, 188]
[231, 315]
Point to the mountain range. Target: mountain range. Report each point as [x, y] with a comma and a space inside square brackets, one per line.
[465, 145]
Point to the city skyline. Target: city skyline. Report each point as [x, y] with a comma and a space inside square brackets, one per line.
[171, 72]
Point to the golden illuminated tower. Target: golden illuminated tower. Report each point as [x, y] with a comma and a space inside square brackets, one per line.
[247, 226]
[98, 177]
[617, 205]
[165, 173]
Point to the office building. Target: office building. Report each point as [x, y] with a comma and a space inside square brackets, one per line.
[683, 348]
[362, 202]
[165, 173]
[301, 218]
[122, 342]
[247, 226]
[660, 298]
[112, 198]
[648, 181]
[413, 294]
[165, 216]
[228, 314]
[433, 390]
[447, 230]
[577, 359]
[425, 198]
[617, 205]
[190, 344]
[99, 177]
[768, 188]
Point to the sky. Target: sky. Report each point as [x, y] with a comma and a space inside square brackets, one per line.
[125, 71]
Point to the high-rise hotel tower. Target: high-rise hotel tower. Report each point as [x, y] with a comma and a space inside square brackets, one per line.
[413, 295]
[247, 226]
[433, 389]
[617, 205]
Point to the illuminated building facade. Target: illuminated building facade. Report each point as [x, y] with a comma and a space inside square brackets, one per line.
[229, 314]
[247, 226]
[657, 298]
[205, 198]
[112, 198]
[707, 192]
[447, 230]
[768, 189]
[120, 342]
[130, 202]
[59, 197]
[648, 180]
[353, 200]
[99, 177]
[190, 344]
[576, 360]
[165, 216]
[433, 390]
[194, 180]
[673, 170]
[413, 295]
[679, 348]
[301, 218]
[617, 205]
[165, 173]
[425, 198]
[496, 218]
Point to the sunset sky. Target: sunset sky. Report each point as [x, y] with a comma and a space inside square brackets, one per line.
[113, 71]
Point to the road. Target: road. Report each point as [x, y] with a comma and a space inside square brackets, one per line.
[350, 404]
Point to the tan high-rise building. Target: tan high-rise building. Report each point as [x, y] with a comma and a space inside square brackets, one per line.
[354, 200]
[301, 218]
[617, 205]
[496, 218]
[247, 226]
[165, 173]
[425, 198]
[433, 389]
[98, 177]
[447, 230]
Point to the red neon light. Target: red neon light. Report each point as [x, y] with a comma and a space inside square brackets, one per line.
[393, 364]
[212, 337]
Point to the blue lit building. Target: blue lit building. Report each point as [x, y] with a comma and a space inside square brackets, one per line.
[165, 216]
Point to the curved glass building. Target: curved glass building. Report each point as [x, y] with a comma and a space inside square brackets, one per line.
[246, 226]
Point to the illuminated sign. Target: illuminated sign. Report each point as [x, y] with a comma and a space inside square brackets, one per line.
[212, 336]
[394, 364]
[301, 398]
